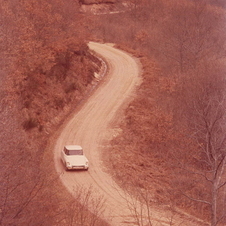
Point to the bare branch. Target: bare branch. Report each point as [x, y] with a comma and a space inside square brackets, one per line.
[196, 200]
[31, 196]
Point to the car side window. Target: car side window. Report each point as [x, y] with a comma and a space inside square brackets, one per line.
[66, 151]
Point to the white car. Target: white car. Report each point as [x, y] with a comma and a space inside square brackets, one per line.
[73, 158]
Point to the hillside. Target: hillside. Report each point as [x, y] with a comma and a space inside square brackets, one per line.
[171, 142]
[172, 133]
[46, 69]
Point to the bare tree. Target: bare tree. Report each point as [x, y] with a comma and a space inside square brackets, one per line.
[207, 123]
[211, 135]
[192, 34]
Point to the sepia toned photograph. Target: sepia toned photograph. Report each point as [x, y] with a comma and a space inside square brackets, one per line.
[113, 113]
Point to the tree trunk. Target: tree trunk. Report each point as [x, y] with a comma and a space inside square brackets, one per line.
[214, 204]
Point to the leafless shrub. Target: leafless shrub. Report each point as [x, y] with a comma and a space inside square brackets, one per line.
[85, 199]
[144, 211]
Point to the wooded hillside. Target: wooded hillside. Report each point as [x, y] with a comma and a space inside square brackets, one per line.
[173, 134]
[46, 68]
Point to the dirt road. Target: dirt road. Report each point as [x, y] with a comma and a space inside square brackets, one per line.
[88, 128]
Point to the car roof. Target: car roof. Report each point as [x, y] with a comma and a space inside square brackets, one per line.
[73, 147]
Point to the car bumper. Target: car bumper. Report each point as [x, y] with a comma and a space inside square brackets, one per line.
[77, 167]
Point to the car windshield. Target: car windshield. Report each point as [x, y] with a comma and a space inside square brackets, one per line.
[75, 152]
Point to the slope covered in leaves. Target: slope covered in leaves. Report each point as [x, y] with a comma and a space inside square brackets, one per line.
[46, 68]
[171, 142]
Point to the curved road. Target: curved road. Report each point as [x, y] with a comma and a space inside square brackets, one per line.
[89, 127]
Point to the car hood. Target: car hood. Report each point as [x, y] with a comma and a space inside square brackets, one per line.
[77, 159]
